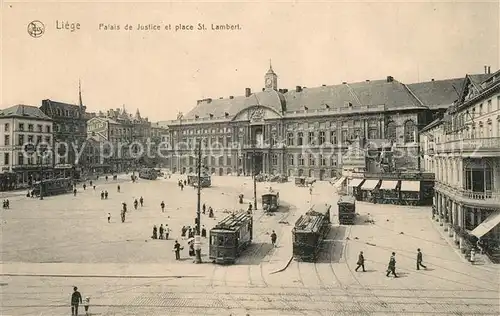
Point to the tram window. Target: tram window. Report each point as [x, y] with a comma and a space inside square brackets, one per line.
[212, 240]
[221, 241]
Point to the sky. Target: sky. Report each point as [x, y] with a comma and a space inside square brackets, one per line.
[165, 72]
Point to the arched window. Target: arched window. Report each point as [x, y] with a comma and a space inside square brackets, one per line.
[410, 131]
[390, 131]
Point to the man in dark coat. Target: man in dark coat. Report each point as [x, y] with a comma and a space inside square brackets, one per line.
[204, 208]
[392, 265]
[419, 260]
[273, 238]
[361, 262]
[177, 249]
[76, 299]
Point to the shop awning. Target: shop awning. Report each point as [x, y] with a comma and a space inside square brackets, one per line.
[355, 182]
[410, 186]
[488, 224]
[388, 185]
[369, 184]
[339, 182]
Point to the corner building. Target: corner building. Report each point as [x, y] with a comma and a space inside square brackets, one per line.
[463, 150]
[305, 131]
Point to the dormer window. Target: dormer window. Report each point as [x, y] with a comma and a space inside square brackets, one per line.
[196, 117]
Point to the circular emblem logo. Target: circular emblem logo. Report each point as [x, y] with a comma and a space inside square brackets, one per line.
[36, 28]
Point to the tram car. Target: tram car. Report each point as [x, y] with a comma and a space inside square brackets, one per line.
[148, 173]
[53, 187]
[206, 180]
[271, 201]
[347, 210]
[309, 232]
[230, 237]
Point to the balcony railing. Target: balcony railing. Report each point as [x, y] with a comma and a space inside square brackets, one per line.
[469, 194]
[476, 144]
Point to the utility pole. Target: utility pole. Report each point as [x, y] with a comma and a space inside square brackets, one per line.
[197, 239]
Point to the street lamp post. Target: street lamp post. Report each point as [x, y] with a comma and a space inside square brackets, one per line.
[197, 241]
[43, 149]
[254, 169]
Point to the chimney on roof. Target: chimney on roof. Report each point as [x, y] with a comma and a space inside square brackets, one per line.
[285, 90]
[196, 117]
[489, 70]
[344, 82]
[323, 85]
[211, 116]
[368, 80]
[298, 89]
[226, 115]
[209, 100]
[485, 69]
[390, 78]
[231, 97]
[306, 108]
[198, 101]
[327, 106]
[220, 98]
[432, 79]
[248, 92]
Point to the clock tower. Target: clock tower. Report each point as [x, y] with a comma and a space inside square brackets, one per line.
[271, 79]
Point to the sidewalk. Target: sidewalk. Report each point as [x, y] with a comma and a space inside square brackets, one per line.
[105, 270]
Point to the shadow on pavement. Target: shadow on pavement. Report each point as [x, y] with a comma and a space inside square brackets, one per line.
[254, 254]
[332, 248]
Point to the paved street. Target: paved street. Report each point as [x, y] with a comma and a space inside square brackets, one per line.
[124, 275]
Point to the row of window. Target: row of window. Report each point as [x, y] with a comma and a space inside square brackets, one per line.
[211, 131]
[459, 120]
[31, 128]
[69, 128]
[23, 140]
[22, 160]
[312, 160]
[333, 125]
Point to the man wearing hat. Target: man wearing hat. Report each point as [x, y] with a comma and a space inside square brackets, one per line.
[76, 299]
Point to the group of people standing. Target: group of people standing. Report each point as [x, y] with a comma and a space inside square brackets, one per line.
[164, 232]
[391, 267]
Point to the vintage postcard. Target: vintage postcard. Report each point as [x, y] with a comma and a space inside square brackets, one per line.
[249, 158]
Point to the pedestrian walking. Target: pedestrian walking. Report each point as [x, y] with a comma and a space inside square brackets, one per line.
[106, 178]
[419, 260]
[273, 238]
[74, 192]
[102, 195]
[141, 200]
[183, 231]
[106, 194]
[392, 265]
[76, 299]
[162, 207]
[86, 304]
[167, 231]
[182, 187]
[155, 232]
[472, 255]
[135, 204]
[250, 206]
[203, 231]
[90, 182]
[361, 262]
[204, 208]
[161, 231]
[84, 186]
[94, 187]
[118, 188]
[177, 249]
[109, 217]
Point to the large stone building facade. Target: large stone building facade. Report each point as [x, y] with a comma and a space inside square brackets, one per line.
[120, 135]
[307, 131]
[21, 125]
[463, 150]
[70, 131]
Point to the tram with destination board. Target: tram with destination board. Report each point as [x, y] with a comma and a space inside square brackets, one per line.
[309, 232]
[230, 237]
[271, 201]
[347, 210]
[206, 180]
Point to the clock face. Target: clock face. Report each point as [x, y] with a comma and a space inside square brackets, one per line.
[269, 82]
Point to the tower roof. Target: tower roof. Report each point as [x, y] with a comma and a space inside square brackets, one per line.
[270, 71]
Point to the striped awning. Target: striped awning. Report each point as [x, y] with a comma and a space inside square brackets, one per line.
[355, 182]
[388, 185]
[339, 182]
[410, 186]
[488, 224]
[369, 184]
